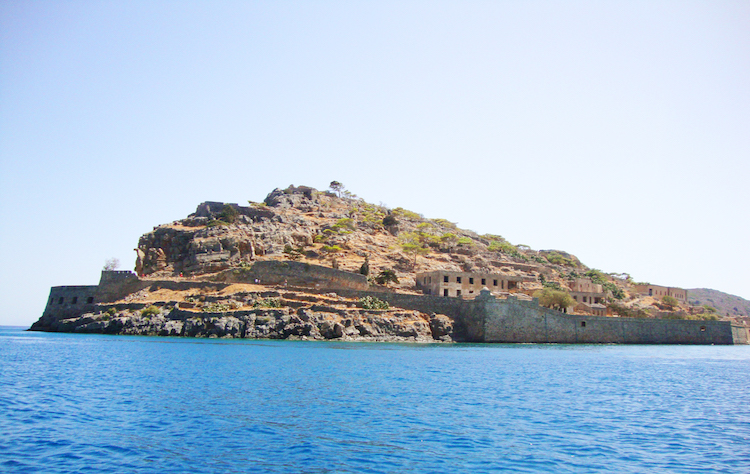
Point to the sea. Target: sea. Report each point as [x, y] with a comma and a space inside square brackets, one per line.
[73, 403]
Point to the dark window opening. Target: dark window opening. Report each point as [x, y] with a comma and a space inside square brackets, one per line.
[90, 299]
[458, 279]
[471, 281]
[650, 292]
[458, 292]
[484, 281]
[60, 301]
[471, 291]
[75, 300]
[445, 292]
[494, 282]
[583, 324]
[445, 279]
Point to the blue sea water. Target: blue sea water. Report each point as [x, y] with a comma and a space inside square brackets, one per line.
[90, 403]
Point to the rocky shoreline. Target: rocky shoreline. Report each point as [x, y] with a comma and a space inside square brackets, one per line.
[337, 318]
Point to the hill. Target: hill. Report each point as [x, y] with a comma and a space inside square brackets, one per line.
[336, 229]
[725, 304]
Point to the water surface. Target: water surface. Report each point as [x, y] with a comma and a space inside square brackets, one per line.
[90, 403]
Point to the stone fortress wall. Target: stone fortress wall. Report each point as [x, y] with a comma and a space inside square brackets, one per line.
[481, 319]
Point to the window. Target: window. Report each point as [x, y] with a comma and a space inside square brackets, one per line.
[445, 279]
[458, 292]
[61, 300]
[471, 291]
[583, 324]
[458, 279]
[471, 281]
[75, 300]
[90, 299]
[494, 282]
[484, 281]
[445, 291]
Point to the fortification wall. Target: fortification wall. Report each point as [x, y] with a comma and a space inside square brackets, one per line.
[70, 301]
[272, 272]
[114, 285]
[518, 321]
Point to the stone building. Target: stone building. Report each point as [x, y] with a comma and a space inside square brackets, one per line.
[585, 291]
[466, 284]
[659, 292]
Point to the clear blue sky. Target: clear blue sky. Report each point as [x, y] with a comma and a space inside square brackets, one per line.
[617, 131]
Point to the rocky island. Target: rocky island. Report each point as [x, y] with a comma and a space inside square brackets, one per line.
[309, 264]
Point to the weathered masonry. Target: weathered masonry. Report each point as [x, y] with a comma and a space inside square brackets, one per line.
[465, 284]
[491, 320]
[660, 292]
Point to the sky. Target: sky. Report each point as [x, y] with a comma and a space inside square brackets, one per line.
[616, 131]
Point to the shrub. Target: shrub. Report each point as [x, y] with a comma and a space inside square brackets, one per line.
[111, 311]
[386, 276]
[670, 301]
[216, 308]
[390, 220]
[228, 214]
[365, 268]
[150, 311]
[267, 303]
[370, 302]
[292, 253]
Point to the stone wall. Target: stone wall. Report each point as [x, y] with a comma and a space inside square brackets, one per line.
[70, 301]
[512, 320]
[272, 272]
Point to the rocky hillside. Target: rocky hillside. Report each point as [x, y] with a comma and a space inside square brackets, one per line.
[337, 230]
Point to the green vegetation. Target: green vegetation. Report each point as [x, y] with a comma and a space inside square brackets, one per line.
[465, 241]
[409, 215]
[336, 187]
[267, 303]
[292, 253]
[228, 214]
[365, 268]
[150, 311]
[330, 249]
[615, 290]
[111, 311]
[390, 220]
[370, 302]
[557, 259]
[670, 302]
[555, 299]
[216, 308]
[414, 243]
[445, 223]
[386, 276]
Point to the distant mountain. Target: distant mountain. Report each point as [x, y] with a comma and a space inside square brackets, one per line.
[726, 304]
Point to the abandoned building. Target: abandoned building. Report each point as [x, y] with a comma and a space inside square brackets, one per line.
[659, 292]
[466, 284]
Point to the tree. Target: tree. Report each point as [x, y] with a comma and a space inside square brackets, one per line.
[411, 243]
[670, 302]
[336, 187]
[365, 268]
[111, 264]
[554, 299]
[386, 276]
